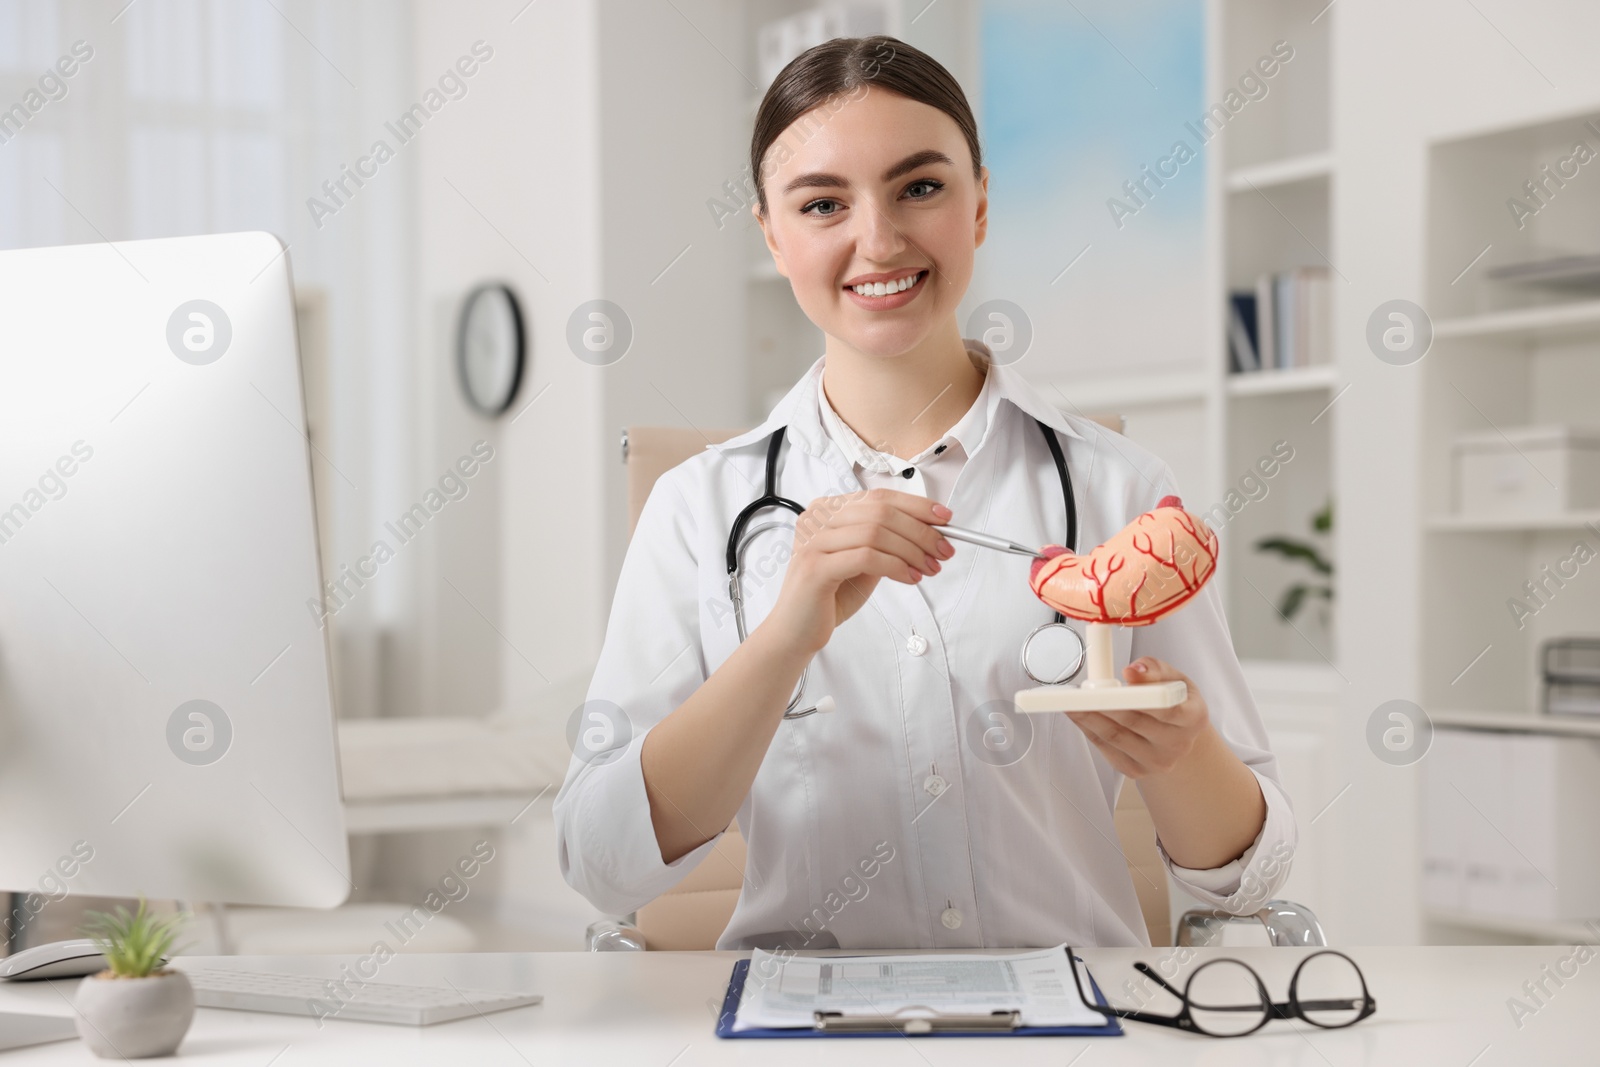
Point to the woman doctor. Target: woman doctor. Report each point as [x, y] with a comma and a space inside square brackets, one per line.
[895, 820]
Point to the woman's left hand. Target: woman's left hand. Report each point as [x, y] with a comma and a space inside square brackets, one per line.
[1147, 741]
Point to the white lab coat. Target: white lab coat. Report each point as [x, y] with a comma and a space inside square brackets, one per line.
[887, 823]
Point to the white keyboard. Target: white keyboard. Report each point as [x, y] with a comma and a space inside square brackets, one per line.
[353, 999]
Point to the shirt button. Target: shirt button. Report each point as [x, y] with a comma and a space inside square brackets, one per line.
[934, 784]
[951, 918]
[916, 644]
[908, 472]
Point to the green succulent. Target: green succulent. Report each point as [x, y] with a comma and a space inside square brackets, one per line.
[136, 944]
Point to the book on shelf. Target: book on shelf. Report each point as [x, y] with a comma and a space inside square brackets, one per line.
[1292, 316]
[1242, 348]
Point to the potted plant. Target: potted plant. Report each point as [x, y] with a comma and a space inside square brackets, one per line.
[135, 1007]
[1296, 551]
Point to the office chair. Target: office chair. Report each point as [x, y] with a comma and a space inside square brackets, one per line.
[692, 914]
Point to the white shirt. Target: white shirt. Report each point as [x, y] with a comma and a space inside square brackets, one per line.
[890, 822]
[933, 470]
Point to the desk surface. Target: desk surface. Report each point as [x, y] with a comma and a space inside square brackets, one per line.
[1436, 1005]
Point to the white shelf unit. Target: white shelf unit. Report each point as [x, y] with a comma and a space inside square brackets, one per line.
[1507, 356]
[1276, 171]
[1108, 394]
[1572, 522]
[1504, 355]
[1517, 722]
[1568, 319]
[1313, 166]
[1288, 380]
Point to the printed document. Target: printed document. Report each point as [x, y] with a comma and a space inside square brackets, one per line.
[782, 990]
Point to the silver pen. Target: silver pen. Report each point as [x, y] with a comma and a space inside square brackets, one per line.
[977, 537]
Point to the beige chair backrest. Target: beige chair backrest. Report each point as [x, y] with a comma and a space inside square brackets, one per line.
[693, 914]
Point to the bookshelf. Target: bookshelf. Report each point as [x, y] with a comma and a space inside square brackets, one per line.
[1505, 354]
[1276, 168]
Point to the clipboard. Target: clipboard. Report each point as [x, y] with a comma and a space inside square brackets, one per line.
[997, 1024]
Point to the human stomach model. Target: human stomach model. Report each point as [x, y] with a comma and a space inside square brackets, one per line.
[1152, 567]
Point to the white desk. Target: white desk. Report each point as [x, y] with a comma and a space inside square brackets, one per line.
[1441, 1005]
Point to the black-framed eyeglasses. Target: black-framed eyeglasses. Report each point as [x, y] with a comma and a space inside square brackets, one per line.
[1226, 998]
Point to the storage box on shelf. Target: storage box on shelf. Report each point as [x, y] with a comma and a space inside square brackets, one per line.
[1528, 471]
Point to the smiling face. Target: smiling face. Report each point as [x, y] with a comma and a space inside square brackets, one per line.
[878, 191]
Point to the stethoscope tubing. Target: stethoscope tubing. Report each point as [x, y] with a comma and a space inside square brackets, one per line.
[738, 538]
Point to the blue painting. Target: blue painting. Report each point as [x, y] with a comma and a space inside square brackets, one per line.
[1089, 117]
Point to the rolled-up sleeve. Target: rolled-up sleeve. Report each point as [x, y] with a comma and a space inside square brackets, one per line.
[1195, 639]
[651, 661]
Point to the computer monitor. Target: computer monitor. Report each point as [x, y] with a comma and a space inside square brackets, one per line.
[166, 719]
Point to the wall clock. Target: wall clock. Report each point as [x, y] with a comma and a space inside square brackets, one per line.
[490, 348]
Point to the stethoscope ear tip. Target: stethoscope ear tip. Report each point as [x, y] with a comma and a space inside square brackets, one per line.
[826, 704]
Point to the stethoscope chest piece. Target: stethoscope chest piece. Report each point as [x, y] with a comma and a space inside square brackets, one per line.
[1052, 654]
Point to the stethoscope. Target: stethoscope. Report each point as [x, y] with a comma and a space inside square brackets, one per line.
[1052, 654]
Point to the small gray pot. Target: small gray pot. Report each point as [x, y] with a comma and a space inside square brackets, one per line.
[131, 1018]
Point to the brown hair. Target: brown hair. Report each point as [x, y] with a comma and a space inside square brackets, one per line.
[846, 67]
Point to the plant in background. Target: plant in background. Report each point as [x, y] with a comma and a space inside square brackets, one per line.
[136, 945]
[1304, 552]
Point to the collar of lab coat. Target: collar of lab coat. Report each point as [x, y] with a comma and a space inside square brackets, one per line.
[967, 432]
[798, 410]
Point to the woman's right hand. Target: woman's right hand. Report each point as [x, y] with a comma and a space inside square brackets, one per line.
[842, 546]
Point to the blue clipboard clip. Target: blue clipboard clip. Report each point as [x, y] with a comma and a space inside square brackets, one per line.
[902, 1024]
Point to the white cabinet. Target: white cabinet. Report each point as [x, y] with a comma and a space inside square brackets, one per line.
[1507, 823]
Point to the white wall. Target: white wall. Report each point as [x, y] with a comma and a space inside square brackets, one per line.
[507, 191]
[673, 83]
[577, 167]
[507, 579]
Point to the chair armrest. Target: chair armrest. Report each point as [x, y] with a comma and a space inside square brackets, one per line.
[613, 935]
[1287, 924]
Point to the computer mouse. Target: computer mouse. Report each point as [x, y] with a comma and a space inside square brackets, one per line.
[56, 959]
